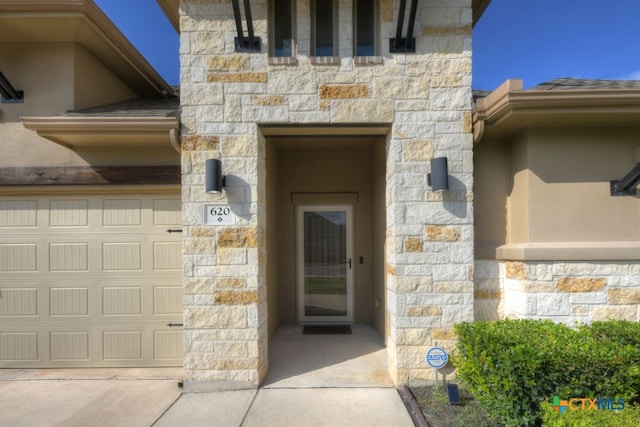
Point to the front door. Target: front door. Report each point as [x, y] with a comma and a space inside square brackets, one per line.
[324, 264]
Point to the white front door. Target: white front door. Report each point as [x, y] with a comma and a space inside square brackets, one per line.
[324, 263]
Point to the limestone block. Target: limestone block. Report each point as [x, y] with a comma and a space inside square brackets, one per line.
[580, 284]
[417, 150]
[516, 270]
[362, 111]
[618, 296]
[440, 233]
[553, 305]
[456, 99]
[198, 245]
[588, 297]
[201, 94]
[210, 113]
[535, 286]
[269, 100]
[229, 63]
[238, 237]
[232, 297]
[206, 43]
[219, 316]
[248, 77]
[292, 82]
[414, 336]
[265, 114]
[198, 285]
[412, 356]
[231, 256]
[456, 273]
[424, 311]
[395, 88]
[447, 30]
[413, 244]
[618, 312]
[230, 283]
[453, 287]
[343, 91]
[231, 349]
[444, 334]
[199, 143]
[193, 360]
[454, 315]
[421, 284]
[236, 364]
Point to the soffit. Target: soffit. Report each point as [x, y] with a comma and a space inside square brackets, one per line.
[81, 22]
[108, 132]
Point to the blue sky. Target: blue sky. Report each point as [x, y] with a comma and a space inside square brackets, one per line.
[535, 40]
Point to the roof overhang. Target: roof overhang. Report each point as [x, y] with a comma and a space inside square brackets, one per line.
[83, 133]
[171, 8]
[82, 22]
[510, 109]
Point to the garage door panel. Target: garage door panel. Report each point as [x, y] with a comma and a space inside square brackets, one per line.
[18, 346]
[90, 281]
[18, 302]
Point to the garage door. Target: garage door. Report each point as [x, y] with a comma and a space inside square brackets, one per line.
[90, 280]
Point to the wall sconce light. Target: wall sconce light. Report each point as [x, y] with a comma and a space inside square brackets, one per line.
[214, 178]
[438, 179]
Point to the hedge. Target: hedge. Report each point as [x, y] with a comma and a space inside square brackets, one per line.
[512, 366]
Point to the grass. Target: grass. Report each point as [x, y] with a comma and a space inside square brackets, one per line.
[437, 411]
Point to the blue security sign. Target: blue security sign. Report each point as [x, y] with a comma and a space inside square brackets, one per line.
[437, 358]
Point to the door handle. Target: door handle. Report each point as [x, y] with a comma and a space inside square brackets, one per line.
[349, 262]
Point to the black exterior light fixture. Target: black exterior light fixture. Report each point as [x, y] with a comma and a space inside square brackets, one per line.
[8, 94]
[214, 178]
[438, 179]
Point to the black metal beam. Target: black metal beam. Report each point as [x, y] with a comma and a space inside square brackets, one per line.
[242, 43]
[8, 92]
[412, 21]
[408, 44]
[627, 185]
[403, 6]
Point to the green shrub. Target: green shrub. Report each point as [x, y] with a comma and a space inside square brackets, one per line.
[628, 417]
[511, 366]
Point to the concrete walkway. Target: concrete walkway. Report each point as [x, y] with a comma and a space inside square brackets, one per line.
[314, 380]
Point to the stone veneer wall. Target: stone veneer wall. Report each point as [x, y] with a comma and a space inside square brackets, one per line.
[425, 99]
[565, 292]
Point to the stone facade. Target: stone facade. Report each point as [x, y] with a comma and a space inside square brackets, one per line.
[567, 292]
[423, 98]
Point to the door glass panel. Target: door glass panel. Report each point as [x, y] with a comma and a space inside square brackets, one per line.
[325, 263]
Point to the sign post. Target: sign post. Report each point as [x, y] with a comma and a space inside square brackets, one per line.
[437, 358]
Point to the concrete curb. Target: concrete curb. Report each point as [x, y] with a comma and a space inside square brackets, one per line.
[410, 403]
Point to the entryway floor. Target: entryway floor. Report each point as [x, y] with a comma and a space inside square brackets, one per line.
[314, 361]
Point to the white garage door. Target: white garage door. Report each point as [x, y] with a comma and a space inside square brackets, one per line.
[90, 280]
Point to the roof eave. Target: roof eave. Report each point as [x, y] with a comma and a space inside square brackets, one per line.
[106, 41]
[511, 108]
[108, 132]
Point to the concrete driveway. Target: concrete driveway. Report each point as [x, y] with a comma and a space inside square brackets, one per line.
[86, 397]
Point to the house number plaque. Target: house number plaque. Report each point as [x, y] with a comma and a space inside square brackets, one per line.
[218, 215]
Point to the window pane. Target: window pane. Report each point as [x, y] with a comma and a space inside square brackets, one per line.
[324, 27]
[283, 37]
[365, 44]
